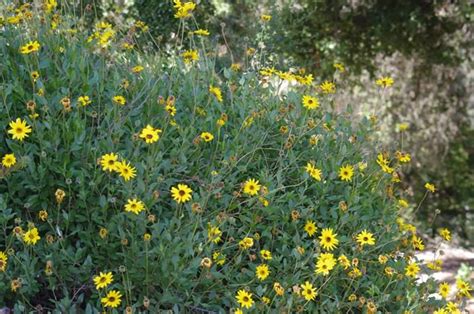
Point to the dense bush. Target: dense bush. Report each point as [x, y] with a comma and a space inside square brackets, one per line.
[135, 181]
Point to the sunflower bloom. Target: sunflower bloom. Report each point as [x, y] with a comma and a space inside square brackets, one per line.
[365, 238]
[251, 187]
[262, 271]
[125, 170]
[443, 289]
[109, 162]
[31, 236]
[325, 263]
[266, 255]
[150, 134]
[412, 269]
[308, 291]
[103, 280]
[310, 228]
[206, 136]
[19, 129]
[310, 102]
[244, 298]
[181, 193]
[3, 261]
[328, 239]
[346, 173]
[9, 160]
[134, 206]
[216, 91]
[314, 172]
[32, 46]
[112, 299]
[445, 234]
[385, 81]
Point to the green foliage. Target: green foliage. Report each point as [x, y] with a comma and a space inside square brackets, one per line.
[260, 130]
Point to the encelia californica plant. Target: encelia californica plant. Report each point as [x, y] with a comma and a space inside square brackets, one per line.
[143, 181]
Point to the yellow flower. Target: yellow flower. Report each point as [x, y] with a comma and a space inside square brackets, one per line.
[109, 162]
[445, 234]
[201, 32]
[313, 171]
[103, 280]
[325, 263]
[251, 187]
[412, 269]
[119, 100]
[9, 160]
[402, 126]
[183, 10]
[435, 265]
[235, 67]
[125, 170]
[182, 193]
[3, 261]
[214, 233]
[340, 67]
[112, 299]
[308, 292]
[328, 87]
[403, 157]
[310, 102]
[244, 298]
[417, 243]
[389, 271]
[32, 46]
[134, 206]
[207, 137]
[346, 173]
[262, 271]
[19, 129]
[383, 259]
[383, 162]
[35, 75]
[15, 284]
[219, 258]
[137, 69]
[266, 255]
[84, 100]
[150, 134]
[365, 237]
[216, 91]
[452, 308]
[444, 289]
[464, 288]
[246, 243]
[403, 203]
[344, 261]
[386, 81]
[310, 227]
[328, 239]
[31, 236]
[43, 215]
[190, 56]
[265, 17]
[430, 187]
[147, 237]
[279, 290]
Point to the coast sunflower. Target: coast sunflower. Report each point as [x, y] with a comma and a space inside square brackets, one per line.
[181, 193]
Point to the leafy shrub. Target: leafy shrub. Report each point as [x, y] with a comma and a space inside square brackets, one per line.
[143, 182]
